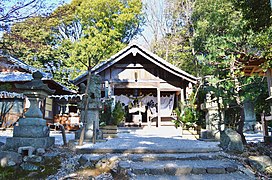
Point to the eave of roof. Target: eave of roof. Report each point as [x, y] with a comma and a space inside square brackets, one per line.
[27, 76]
[63, 88]
[16, 76]
[24, 66]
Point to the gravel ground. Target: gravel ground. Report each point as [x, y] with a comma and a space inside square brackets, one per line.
[151, 138]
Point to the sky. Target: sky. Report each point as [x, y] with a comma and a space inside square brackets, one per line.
[152, 8]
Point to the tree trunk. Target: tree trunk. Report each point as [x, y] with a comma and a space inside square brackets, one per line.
[84, 121]
[241, 123]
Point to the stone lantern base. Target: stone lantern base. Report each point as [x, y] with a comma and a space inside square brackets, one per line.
[30, 132]
[16, 142]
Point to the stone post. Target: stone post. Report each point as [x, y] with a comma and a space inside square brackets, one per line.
[213, 124]
[250, 116]
[93, 109]
[32, 129]
[94, 106]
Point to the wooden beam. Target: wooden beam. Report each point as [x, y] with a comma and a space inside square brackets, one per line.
[159, 105]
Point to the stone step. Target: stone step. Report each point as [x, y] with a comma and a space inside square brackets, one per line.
[178, 167]
[229, 176]
[172, 157]
[117, 150]
[93, 158]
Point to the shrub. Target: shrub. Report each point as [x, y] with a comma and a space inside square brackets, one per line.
[118, 114]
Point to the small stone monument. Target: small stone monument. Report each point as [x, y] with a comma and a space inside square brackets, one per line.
[250, 116]
[93, 109]
[32, 129]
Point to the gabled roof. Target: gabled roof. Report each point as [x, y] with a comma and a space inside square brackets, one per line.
[135, 49]
[27, 75]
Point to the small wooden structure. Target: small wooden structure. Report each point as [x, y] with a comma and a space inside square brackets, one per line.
[13, 71]
[137, 78]
[266, 131]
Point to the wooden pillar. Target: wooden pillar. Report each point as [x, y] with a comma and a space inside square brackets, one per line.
[177, 98]
[159, 106]
[269, 83]
[182, 96]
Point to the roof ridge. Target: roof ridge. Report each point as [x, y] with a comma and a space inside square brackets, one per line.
[152, 55]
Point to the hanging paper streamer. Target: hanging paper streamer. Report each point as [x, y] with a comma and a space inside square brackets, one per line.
[67, 97]
[6, 94]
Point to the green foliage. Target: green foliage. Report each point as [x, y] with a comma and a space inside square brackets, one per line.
[106, 113]
[223, 34]
[75, 35]
[118, 113]
[109, 116]
[257, 13]
[186, 114]
[5, 87]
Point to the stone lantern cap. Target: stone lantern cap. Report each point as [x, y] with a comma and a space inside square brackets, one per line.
[35, 86]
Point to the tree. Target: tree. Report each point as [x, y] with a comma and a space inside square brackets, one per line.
[75, 35]
[16, 11]
[223, 36]
[107, 27]
[171, 25]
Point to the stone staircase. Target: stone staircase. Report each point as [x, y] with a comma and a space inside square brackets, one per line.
[182, 166]
[187, 166]
[155, 154]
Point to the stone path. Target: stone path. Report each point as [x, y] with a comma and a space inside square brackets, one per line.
[147, 140]
[165, 154]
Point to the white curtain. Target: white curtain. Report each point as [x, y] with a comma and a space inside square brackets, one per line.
[123, 99]
[167, 103]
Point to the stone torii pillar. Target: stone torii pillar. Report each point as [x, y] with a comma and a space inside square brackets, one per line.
[32, 129]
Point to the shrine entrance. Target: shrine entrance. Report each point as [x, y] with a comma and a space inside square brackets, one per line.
[141, 106]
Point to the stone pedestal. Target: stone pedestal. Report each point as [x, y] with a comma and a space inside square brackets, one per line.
[91, 119]
[32, 129]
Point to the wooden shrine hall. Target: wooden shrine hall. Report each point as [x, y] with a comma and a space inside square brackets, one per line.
[148, 87]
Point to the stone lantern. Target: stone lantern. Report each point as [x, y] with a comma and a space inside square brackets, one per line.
[91, 119]
[32, 129]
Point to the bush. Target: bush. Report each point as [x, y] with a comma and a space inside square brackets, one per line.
[118, 114]
[105, 114]
[186, 115]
